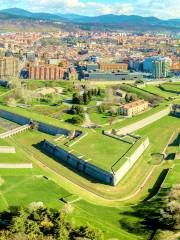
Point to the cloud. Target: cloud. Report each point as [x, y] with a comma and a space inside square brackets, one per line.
[158, 8]
[81, 7]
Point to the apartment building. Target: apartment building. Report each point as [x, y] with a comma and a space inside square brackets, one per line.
[133, 108]
[9, 67]
[46, 72]
[113, 67]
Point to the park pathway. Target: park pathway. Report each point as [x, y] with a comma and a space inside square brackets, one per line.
[144, 122]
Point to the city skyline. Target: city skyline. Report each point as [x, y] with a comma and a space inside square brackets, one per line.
[160, 9]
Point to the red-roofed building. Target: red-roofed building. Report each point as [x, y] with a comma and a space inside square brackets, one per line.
[133, 108]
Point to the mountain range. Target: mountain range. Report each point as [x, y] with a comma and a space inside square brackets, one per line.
[125, 22]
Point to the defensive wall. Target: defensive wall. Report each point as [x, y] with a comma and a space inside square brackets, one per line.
[43, 127]
[168, 90]
[16, 165]
[113, 176]
[132, 156]
[7, 149]
[14, 131]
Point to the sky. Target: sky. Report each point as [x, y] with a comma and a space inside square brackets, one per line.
[164, 9]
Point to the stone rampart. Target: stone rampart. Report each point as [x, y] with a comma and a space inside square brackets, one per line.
[16, 165]
[14, 131]
[111, 177]
[78, 163]
[131, 160]
[43, 127]
[7, 149]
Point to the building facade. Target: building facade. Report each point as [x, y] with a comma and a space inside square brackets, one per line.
[110, 67]
[46, 72]
[159, 67]
[9, 67]
[133, 108]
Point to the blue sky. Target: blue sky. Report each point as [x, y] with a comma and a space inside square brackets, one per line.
[159, 8]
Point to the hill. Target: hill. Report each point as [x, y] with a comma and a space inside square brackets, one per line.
[103, 22]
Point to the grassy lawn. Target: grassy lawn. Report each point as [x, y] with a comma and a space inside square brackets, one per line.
[131, 181]
[106, 218]
[3, 90]
[98, 118]
[148, 96]
[34, 84]
[174, 147]
[22, 190]
[158, 91]
[38, 117]
[19, 157]
[1, 130]
[46, 110]
[157, 132]
[173, 176]
[102, 151]
[4, 142]
[171, 86]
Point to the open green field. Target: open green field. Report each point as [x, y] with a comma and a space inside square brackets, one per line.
[98, 118]
[19, 157]
[155, 89]
[171, 87]
[3, 142]
[101, 150]
[34, 84]
[98, 204]
[148, 96]
[158, 134]
[3, 90]
[22, 190]
[23, 186]
[38, 117]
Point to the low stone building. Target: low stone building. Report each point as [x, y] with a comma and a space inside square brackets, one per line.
[133, 108]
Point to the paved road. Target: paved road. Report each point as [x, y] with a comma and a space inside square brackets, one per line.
[144, 122]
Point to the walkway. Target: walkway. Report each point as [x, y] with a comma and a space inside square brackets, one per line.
[144, 122]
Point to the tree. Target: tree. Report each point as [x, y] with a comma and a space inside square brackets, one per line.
[77, 119]
[45, 224]
[170, 214]
[99, 92]
[85, 98]
[89, 95]
[87, 232]
[76, 109]
[76, 98]
[19, 222]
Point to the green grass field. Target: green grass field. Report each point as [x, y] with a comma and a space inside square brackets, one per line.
[4, 142]
[22, 190]
[19, 157]
[118, 220]
[38, 117]
[171, 87]
[101, 150]
[155, 89]
[3, 90]
[158, 134]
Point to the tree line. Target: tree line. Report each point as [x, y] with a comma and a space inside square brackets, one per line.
[86, 97]
[41, 223]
